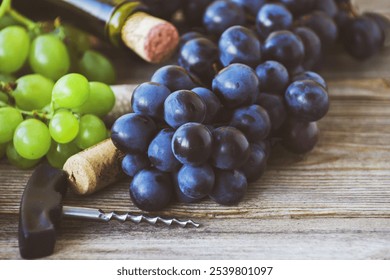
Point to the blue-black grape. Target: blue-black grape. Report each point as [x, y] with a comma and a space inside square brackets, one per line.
[230, 149]
[133, 163]
[133, 132]
[383, 22]
[323, 25]
[239, 44]
[192, 144]
[213, 105]
[148, 99]
[194, 10]
[284, 47]
[160, 152]
[189, 36]
[362, 37]
[310, 75]
[180, 196]
[251, 7]
[274, 105]
[230, 187]
[184, 106]
[299, 7]
[236, 85]
[151, 189]
[327, 6]
[196, 181]
[199, 56]
[253, 121]
[222, 14]
[299, 137]
[273, 77]
[312, 45]
[273, 17]
[174, 78]
[307, 100]
[256, 164]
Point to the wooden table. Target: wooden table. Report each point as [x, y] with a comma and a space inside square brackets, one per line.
[333, 203]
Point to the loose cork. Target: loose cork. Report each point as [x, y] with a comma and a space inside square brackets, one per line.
[153, 39]
[94, 168]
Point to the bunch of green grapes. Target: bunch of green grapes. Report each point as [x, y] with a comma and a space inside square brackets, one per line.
[52, 120]
[53, 91]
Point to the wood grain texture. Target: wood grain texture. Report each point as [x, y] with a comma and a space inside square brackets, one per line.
[333, 203]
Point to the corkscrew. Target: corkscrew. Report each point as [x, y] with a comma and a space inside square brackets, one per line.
[41, 212]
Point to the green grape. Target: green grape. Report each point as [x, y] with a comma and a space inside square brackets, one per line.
[4, 97]
[10, 118]
[71, 91]
[49, 57]
[96, 67]
[100, 102]
[75, 38]
[3, 147]
[6, 78]
[14, 48]
[33, 92]
[64, 126]
[32, 139]
[92, 131]
[59, 153]
[17, 160]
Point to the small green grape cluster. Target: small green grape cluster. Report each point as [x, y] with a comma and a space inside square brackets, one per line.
[50, 119]
[55, 108]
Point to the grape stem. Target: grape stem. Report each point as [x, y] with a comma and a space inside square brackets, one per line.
[5, 8]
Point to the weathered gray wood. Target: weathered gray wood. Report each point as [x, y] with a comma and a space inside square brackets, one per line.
[333, 203]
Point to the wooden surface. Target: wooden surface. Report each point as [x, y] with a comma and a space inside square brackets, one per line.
[334, 203]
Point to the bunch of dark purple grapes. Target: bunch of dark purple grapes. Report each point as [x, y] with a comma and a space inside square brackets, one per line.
[205, 128]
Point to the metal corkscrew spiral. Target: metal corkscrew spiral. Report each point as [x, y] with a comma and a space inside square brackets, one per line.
[100, 215]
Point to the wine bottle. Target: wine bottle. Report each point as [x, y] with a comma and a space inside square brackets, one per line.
[118, 21]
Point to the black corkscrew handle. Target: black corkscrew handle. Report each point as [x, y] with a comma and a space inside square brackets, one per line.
[41, 211]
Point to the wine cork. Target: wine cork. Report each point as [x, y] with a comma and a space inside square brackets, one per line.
[153, 39]
[94, 168]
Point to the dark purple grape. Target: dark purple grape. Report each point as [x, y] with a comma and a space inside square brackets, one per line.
[327, 6]
[239, 44]
[133, 163]
[274, 105]
[383, 22]
[194, 10]
[251, 7]
[189, 36]
[284, 47]
[151, 190]
[307, 100]
[312, 44]
[230, 149]
[148, 99]
[313, 76]
[273, 77]
[174, 78]
[230, 187]
[199, 56]
[236, 85]
[299, 7]
[323, 25]
[183, 106]
[256, 164]
[213, 105]
[133, 132]
[192, 144]
[196, 181]
[180, 196]
[299, 137]
[253, 121]
[160, 152]
[222, 14]
[273, 17]
[362, 37]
